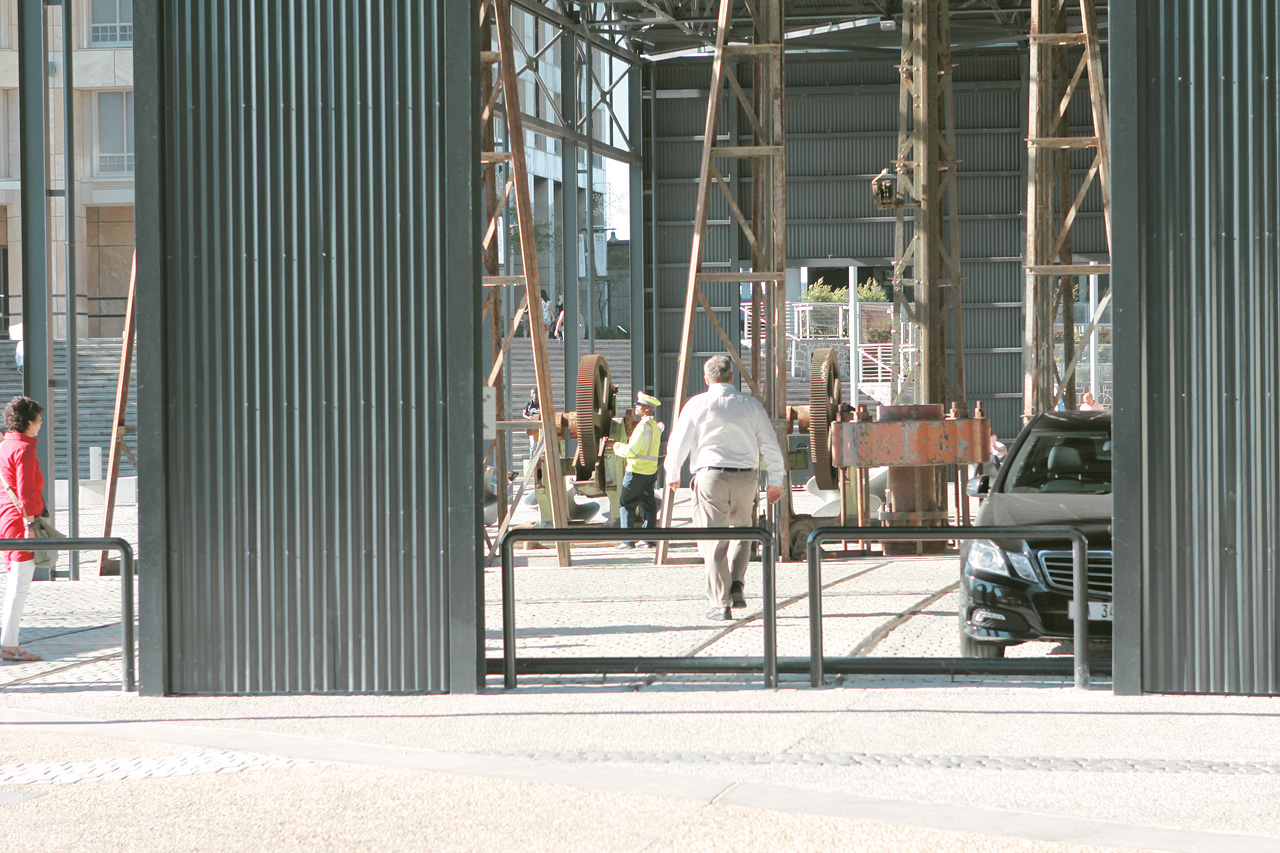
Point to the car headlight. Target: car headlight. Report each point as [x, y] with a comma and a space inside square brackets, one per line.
[987, 556]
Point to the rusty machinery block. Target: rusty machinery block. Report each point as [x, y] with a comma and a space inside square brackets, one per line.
[914, 442]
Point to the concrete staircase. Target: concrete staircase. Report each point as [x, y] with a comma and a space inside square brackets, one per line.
[520, 368]
[99, 363]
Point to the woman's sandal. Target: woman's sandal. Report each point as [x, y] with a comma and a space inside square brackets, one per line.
[19, 654]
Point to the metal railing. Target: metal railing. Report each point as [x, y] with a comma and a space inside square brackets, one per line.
[875, 362]
[82, 543]
[1080, 581]
[647, 665]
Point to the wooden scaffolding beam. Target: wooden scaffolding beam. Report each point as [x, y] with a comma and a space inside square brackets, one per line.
[495, 18]
[119, 429]
[1053, 206]
[759, 224]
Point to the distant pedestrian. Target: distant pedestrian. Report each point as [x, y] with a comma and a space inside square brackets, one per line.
[532, 412]
[724, 433]
[638, 502]
[19, 355]
[23, 500]
[559, 321]
[1089, 403]
[547, 324]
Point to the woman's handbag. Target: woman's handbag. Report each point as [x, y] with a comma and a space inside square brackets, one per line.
[39, 527]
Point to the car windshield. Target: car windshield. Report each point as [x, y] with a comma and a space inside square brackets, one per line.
[1055, 461]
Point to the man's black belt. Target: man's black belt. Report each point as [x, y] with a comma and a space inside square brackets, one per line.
[730, 470]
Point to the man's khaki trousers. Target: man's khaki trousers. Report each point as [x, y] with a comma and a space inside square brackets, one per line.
[724, 499]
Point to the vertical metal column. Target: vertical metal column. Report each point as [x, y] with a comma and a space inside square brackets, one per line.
[640, 377]
[589, 136]
[926, 187]
[69, 243]
[456, 95]
[569, 204]
[37, 300]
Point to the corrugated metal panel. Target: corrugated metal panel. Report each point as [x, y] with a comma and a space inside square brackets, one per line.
[302, 521]
[988, 282]
[1006, 65]
[839, 113]
[994, 150]
[841, 72]
[1197, 165]
[987, 194]
[988, 108]
[987, 328]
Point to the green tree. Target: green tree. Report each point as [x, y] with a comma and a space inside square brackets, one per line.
[872, 291]
[820, 292]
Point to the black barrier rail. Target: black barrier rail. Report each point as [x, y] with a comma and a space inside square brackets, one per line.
[126, 585]
[601, 666]
[1080, 585]
[789, 666]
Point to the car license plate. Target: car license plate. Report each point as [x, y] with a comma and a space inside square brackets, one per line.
[1099, 611]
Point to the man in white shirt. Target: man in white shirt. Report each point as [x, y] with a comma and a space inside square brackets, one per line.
[724, 434]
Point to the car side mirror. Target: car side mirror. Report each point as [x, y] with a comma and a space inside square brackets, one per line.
[978, 486]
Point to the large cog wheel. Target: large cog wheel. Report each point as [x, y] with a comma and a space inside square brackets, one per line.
[825, 399]
[595, 406]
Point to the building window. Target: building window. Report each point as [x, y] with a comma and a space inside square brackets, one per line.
[110, 23]
[8, 24]
[115, 133]
[7, 97]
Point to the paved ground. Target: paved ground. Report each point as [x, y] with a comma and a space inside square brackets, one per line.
[633, 763]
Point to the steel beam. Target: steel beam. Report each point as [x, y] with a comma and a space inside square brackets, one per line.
[925, 197]
[570, 211]
[69, 244]
[37, 298]
[639, 375]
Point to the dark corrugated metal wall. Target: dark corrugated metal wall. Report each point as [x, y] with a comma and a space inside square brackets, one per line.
[309, 512]
[1197, 162]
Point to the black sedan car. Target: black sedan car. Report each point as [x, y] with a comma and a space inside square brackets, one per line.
[1058, 472]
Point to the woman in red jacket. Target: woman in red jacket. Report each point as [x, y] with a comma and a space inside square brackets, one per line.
[21, 471]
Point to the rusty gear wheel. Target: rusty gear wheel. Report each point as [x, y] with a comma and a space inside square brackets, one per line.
[825, 399]
[596, 406]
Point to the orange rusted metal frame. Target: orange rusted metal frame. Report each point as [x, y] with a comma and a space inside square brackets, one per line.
[913, 443]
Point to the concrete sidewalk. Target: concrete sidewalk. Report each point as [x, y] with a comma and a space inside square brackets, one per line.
[653, 763]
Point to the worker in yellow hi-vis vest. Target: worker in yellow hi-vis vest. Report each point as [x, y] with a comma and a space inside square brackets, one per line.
[639, 503]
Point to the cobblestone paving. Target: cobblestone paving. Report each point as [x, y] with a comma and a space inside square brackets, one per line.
[618, 604]
[74, 626]
[120, 769]
[933, 762]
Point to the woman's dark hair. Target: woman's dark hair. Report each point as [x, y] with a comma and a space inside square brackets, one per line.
[20, 412]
